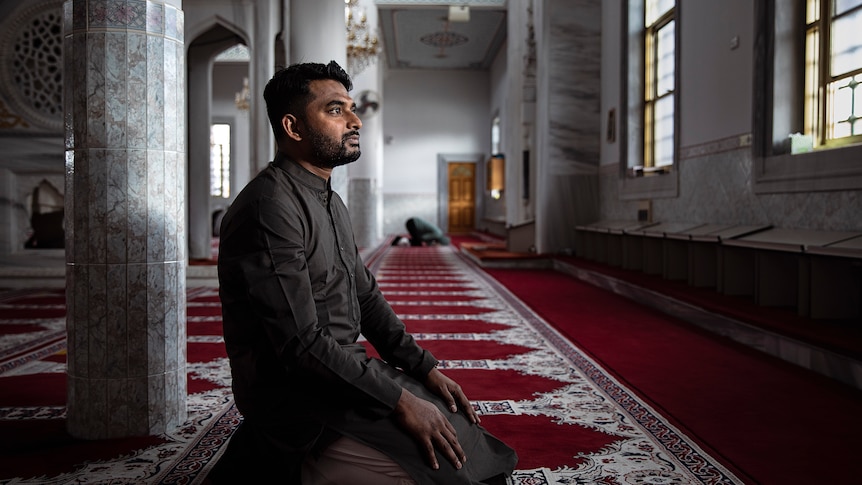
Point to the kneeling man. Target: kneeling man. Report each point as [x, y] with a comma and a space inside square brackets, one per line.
[295, 299]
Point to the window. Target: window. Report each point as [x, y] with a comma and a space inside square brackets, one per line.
[808, 68]
[833, 72]
[659, 63]
[220, 160]
[495, 135]
[648, 131]
[495, 167]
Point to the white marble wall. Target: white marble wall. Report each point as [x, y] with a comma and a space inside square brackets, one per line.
[568, 119]
[397, 208]
[125, 212]
[715, 187]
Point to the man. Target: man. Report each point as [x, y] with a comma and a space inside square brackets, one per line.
[295, 299]
[423, 232]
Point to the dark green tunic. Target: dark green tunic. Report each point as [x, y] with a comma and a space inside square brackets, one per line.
[295, 299]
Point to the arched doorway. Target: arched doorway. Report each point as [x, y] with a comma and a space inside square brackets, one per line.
[212, 86]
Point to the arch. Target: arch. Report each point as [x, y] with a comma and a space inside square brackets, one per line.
[201, 53]
[214, 21]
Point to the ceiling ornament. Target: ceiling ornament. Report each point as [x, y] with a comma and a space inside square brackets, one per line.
[362, 42]
[443, 39]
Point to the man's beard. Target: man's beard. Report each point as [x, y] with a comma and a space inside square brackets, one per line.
[329, 153]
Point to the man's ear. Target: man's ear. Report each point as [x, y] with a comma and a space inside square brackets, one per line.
[290, 124]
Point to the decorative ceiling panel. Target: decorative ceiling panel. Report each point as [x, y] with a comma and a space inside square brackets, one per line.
[500, 4]
[424, 38]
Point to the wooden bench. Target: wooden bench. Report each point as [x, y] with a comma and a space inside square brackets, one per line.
[705, 254]
[603, 241]
[649, 248]
[817, 273]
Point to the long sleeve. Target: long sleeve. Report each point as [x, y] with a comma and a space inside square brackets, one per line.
[386, 332]
[290, 309]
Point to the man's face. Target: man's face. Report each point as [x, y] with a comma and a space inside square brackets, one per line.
[332, 125]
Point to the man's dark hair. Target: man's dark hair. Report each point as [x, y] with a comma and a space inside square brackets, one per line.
[288, 92]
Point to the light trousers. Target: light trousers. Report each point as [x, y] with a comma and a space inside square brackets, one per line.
[349, 462]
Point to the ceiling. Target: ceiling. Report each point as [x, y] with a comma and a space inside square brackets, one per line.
[419, 35]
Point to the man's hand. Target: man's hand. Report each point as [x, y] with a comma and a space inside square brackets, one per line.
[430, 428]
[451, 393]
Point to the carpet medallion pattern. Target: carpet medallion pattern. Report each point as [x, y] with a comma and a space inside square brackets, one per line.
[44, 454]
[570, 421]
[580, 425]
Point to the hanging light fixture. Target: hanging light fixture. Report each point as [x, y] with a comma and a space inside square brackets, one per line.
[459, 13]
[362, 42]
[243, 97]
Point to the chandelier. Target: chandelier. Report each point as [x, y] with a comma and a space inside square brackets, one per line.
[362, 43]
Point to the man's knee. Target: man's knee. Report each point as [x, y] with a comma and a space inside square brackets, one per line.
[349, 461]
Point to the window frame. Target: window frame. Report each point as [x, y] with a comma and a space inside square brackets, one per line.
[659, 184]
[778, 111]
[652, 97]
[817, 111]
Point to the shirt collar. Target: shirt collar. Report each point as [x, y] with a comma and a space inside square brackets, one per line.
[298, 172]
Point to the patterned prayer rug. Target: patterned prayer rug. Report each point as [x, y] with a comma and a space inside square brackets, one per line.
[36, 448]
[569, 420]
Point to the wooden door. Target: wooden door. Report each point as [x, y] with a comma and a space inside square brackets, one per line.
[462, 198]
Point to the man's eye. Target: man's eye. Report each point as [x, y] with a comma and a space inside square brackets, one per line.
[335, 111]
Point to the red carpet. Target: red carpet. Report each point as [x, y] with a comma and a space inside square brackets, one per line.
[589, 388]
[773, 421]
[842, 337]
[36, 448]
[569, 421]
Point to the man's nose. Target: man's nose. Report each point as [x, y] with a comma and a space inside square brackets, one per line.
[355, 122]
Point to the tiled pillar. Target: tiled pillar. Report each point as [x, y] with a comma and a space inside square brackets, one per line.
[125, 217]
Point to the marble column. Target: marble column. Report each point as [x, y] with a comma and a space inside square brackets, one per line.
[518, 123]
[318, 34]
[200, 229]
[364, 182]
[8, 228]
[199, 62]
[125, 218]
[365, 176]
[568, 121]
[268, 18]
